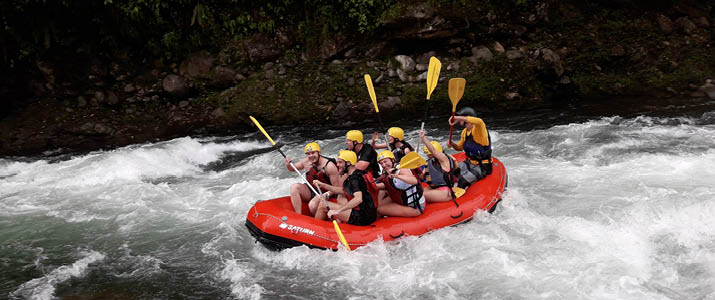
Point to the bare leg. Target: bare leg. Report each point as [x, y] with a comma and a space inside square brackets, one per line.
[298, 192]
[437, 195]
[397, 210]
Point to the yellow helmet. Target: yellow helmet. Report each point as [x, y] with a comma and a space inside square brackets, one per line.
[310, 147]
[385, 154]
[348, 156]
[436, 145]
[354, 135]
[396, 132]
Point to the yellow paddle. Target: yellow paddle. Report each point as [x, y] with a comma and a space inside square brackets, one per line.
[456, 91]
[335, 223]
[432, 77]
[412, 160]
[458, 192]
[371, 91]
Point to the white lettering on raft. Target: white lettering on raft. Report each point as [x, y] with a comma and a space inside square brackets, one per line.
[296, 229]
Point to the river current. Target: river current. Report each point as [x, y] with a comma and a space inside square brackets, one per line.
[609, 204]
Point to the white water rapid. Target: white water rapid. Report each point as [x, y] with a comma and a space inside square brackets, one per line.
[602, 208]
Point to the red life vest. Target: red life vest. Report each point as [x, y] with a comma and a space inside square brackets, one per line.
[320, 175]
[402, 196]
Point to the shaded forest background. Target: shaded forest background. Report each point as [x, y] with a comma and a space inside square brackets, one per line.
[83, 75]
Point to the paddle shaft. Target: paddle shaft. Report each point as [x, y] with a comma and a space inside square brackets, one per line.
[387, 141]
[451, 128]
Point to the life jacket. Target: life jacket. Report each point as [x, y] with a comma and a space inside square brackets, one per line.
[408, 197]
[374, 166]
[367, 187]
[320, 175]
[479, 154]
[399, 152]
[437, 177]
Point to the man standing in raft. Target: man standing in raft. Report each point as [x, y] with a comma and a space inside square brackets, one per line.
[322, 169]
[477, 145]
[361, 194]
[366, 155]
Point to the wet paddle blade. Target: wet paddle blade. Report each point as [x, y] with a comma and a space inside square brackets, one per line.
[340, 235]
[458, 192]
[371, 90]
[412, 160]
[262, 130]
[432, 75]
[456, 91]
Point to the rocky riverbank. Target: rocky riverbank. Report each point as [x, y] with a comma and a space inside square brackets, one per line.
[513, 57]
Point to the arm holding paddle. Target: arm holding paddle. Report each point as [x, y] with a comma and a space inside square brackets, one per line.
[300, 164]
[375, 137]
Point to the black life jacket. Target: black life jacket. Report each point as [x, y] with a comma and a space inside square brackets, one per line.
[408, 197]
[367, 187]
[399, 152]
[479, 153]
[320, 175]
[475, 151]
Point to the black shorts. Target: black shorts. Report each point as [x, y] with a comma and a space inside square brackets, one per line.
[362, 218]
[312, 194]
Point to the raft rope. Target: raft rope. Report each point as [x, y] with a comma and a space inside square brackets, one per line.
[256, 214]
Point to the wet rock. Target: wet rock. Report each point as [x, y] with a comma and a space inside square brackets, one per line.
[453, 66]
[498, 47]
[184, 103]
[421, 77]
[112, 98]
[197, 65]
[686, 25]
[665, 24]
[281, 70]
[129, 88]
[702, 22]
[618, 50]
[402, 75]
[218, 113]
[482, 53]
[380, 78]
[351, 81]
[513, 54]
[268, 66]
[330, 46]
[81, 101]
[337, 62]
[511, 95]
[350, 53]
[421, 67]
[407, 64]
[548, 59]
[391, 73]
[391, 103]
[708, 89]
[239, 77]
[261, 47]
[342, 110]
[223, 76]
[175, 85]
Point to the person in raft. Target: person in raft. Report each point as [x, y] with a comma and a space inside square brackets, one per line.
[366, 155]
[401, 194]
[396, 138]
[320, 168]
[361, 194]
[441, 172]
[477, 145]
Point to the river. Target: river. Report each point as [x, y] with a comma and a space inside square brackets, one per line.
[605, 201]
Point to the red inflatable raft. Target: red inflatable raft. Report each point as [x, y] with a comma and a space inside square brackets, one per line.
[275, 224]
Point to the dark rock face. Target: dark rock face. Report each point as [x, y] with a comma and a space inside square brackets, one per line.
[175, 85]
[261, 47]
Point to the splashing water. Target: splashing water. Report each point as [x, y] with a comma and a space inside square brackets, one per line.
[606, 208]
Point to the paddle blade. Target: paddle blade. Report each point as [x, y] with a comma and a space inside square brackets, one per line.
[412, 160]
[340, 235]
[456, 91]
[371, 90]
[262, 130]
[432, 75]
[458, 192]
